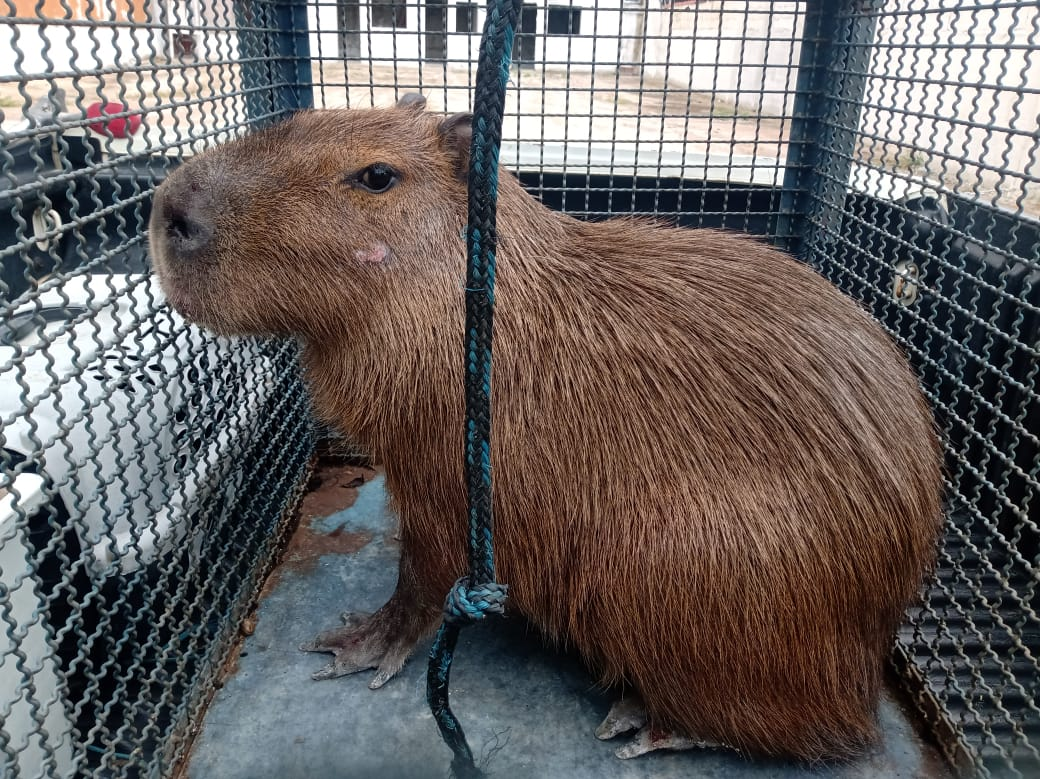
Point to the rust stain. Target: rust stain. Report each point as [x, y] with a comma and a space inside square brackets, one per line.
[333, 488]
[307, 546]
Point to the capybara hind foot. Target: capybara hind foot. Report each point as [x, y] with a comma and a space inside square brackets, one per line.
[651, 739]
[627, 714]
[365, 641]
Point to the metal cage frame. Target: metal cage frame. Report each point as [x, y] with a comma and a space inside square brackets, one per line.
[113, 638]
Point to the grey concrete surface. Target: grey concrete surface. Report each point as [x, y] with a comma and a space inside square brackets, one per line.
[528, 711]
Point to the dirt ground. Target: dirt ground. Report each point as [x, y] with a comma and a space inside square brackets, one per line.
[180, 102]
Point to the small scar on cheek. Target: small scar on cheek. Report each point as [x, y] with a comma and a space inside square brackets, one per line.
[377, 254]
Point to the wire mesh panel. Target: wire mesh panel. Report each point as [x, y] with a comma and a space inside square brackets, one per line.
[920, 197]
[680, 110]
[891, 144]
[147, 468]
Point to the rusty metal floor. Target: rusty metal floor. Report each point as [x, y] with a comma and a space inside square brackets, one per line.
[530, 712]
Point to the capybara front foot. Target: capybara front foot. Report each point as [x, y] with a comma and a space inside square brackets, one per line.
[628, 714]
[365, 641]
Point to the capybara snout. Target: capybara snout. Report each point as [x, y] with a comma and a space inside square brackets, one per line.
[186, 220]
[715, 475]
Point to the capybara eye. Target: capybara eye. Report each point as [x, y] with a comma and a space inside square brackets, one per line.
[377, 178]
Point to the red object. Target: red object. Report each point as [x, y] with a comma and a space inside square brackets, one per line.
[120, 126]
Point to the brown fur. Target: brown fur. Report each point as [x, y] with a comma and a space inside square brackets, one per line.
[714, 474]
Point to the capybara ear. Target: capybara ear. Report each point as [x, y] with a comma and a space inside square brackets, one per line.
[412, 100]
[456, 134]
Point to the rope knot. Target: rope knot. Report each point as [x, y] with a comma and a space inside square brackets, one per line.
[466, 604]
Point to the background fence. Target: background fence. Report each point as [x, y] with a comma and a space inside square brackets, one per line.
[149, 470]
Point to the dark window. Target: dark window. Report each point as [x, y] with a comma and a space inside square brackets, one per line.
[390, 13]
[349, 28]
[465, 17]
[563, 20]
[525, 37]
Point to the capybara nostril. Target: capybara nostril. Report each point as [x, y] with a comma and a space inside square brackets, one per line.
[184, 214]
[188, 229]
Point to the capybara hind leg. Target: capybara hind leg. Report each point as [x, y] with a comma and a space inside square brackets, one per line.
[383, 641]
[628, 713]
[651, 739]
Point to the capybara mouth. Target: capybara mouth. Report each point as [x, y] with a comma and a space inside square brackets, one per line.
[184, 303]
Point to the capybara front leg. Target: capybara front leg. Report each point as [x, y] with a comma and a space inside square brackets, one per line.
[383, 641]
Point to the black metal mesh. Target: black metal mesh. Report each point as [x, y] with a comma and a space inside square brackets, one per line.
[148, 469]
[921, 199]
[893, 145]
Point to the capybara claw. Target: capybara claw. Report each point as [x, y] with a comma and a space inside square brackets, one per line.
[650, 739]
[343, 664]
[332, 671]
[626, 714]
[360, 644]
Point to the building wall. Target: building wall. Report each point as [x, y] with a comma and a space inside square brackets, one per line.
[984, 112]
[746, 53]
[946, 80]
[48, 48]
[111, 10]
[596, 43]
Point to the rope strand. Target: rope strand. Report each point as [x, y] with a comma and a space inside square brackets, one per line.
[475, 596]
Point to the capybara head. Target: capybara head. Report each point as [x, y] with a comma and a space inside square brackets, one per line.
[318, 201]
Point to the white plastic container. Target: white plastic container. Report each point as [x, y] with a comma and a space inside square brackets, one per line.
[35, 719]
[134, 439]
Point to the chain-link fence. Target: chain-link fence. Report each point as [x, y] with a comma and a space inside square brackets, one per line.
[922, 199]
[149, 469]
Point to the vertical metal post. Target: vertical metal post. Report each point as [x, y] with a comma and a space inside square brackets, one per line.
[274, 49]
[832, 80]
[293, 52]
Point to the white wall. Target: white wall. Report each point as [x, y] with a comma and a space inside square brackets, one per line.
[39, 50]
[386, 44]
[745, 52]
[932, 121]
[597, 42]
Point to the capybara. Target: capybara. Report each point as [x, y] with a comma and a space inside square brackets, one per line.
[715, 475]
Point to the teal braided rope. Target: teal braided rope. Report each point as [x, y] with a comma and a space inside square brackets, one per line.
[475, 596]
